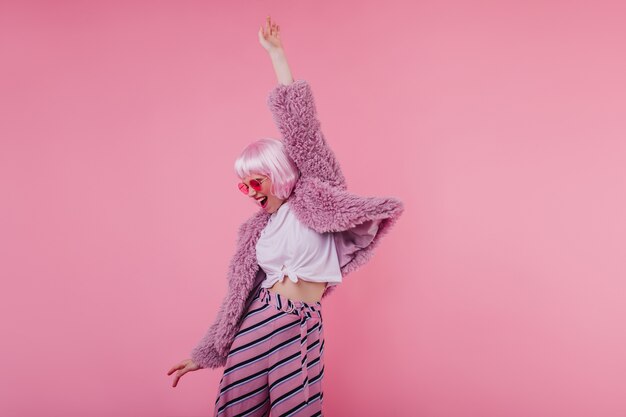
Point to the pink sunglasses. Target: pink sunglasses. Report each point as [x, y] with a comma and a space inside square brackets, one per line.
[255, 184]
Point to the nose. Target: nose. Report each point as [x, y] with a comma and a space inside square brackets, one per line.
[252, 192]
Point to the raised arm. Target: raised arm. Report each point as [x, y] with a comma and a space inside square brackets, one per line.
[269, 37]
[293, 109]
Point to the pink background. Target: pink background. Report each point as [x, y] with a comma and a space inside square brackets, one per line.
[501, 125]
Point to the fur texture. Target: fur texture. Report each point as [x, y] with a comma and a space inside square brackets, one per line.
[320, 200]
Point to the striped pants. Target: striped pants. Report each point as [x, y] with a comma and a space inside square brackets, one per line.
[276, 360]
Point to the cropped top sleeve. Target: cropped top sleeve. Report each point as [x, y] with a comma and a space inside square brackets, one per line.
[288, 247]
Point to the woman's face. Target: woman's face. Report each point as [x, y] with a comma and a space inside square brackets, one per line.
[271, 202]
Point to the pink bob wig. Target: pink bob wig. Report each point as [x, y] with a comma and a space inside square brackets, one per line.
[268, 156]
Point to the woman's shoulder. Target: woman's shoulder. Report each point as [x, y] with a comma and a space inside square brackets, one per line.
[254, 223]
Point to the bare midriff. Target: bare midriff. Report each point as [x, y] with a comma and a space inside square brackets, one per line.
[307, 291]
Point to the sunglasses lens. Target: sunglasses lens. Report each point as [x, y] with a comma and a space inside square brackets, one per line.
[255, 185]
[243, 188]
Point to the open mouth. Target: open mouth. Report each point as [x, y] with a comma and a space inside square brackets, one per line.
[263, 202]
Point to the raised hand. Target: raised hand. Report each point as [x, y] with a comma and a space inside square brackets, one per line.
[269, 36]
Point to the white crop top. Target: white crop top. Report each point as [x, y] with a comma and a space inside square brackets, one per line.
[288, 247]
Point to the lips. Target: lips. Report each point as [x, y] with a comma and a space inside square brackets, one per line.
[262, 201]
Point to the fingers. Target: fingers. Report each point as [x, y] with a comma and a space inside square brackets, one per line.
[271, 28]
[179, 374]
[175, 367]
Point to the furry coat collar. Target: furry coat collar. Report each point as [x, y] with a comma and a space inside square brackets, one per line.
[320, 200]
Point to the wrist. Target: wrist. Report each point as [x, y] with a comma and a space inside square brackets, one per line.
[276, 53]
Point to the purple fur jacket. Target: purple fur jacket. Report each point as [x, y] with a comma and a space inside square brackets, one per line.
[320, 200]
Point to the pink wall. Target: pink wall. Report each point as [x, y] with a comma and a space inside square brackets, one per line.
[501, 126]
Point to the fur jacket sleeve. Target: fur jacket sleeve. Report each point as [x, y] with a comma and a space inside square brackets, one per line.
[295, 115]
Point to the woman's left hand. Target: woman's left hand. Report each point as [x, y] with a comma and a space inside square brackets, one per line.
[270, 37]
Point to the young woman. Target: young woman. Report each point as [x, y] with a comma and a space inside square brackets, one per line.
[309, 233]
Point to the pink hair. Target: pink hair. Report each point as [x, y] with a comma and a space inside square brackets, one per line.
[268, 156]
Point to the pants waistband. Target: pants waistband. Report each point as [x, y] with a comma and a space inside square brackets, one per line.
[297, 307]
